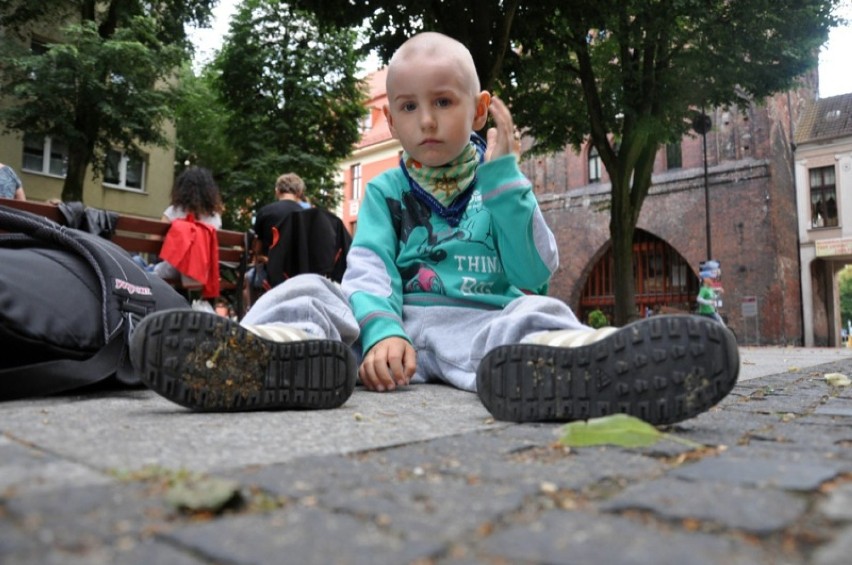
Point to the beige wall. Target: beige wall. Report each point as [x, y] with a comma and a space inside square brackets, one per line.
[159, 175]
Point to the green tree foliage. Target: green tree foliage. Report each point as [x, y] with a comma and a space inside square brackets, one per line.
[201, 120]
[844, 283]
[102, 82]
[293, 99]
[484, 26]
[624, 75]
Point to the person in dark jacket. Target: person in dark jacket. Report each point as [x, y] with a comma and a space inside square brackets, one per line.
[289, 197]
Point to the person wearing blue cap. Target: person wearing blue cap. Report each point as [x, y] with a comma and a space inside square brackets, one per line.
[707, 298]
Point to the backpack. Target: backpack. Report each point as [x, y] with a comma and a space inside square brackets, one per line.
[68, 302]
[311, 241]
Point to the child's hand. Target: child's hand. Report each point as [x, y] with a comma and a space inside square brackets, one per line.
[389, 364]
[502, 138]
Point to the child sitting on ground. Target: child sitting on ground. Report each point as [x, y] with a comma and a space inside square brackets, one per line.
[443, 283]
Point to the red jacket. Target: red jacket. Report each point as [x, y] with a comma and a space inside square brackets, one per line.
[193, 249]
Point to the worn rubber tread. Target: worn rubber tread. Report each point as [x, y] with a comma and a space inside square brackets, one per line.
[662, 369]
[209, 363]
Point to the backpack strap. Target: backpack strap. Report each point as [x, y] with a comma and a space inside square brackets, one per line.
[63, 374]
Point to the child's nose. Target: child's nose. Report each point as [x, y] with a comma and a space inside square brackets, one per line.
[427, 119]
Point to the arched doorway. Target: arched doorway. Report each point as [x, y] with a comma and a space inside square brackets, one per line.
[663, 279]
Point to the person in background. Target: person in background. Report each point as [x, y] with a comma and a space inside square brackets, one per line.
[707, 299]
[195, 193]
[289, 198]
[10, 184]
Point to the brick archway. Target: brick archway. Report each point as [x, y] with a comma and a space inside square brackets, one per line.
[664, 279]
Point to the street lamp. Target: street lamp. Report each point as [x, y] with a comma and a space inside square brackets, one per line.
[701, 124]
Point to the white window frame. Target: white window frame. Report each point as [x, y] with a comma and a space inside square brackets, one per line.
[124, 159]
[357, 181]
[46, 153]
[595, 165]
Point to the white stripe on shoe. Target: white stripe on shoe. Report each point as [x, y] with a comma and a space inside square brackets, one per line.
[278, 333]
[572, 338]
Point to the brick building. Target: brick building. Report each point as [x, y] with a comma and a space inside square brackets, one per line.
[752, 212]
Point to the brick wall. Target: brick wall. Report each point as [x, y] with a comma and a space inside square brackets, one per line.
[752, 210]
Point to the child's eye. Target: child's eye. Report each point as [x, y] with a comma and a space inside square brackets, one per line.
[443, 102]
[409, 107]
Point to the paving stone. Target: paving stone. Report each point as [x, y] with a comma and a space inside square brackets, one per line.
[836, 552]
[759, 511]
[301, 477]
[718, 427]
[125, 551]
[572, 537]
[88, 516]
[26, 470]
[838, 506]
[763, 473]
[300, 535]
[836, 407]
[434, 507]
[13, 539]
[829, 442]
[494, 459]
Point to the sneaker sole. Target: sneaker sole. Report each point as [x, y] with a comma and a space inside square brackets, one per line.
[209, 363]
[663, 369]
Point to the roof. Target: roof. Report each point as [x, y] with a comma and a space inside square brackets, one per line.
[376, 83]
[826, 119]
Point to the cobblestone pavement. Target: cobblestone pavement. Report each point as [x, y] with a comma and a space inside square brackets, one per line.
[425, 476]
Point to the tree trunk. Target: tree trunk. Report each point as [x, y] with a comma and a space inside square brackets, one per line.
[621, 231]
[78, 163]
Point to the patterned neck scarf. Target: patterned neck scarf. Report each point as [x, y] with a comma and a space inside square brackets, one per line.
[446, 189]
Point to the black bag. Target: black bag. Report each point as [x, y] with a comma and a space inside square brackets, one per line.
[311, 241]
[68, 302]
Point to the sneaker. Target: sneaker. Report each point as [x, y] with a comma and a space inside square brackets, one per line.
[207, 362]
[662, 369]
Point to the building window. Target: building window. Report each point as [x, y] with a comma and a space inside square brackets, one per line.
[124, 171]
[674, 156]
[594, 165]
[823, 197]
[355, 172]
[366, 122]
[662, 278]
[45, 155]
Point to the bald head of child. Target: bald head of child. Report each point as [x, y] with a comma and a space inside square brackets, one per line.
[434, 97]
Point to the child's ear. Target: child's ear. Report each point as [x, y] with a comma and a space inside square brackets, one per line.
[482, 104]
[389, 118]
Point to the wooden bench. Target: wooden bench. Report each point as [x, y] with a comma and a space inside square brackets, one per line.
[137, 234]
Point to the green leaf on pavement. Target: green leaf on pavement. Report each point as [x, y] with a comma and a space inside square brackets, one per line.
[616, 429]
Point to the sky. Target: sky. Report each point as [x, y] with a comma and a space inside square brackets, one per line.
[835, 76]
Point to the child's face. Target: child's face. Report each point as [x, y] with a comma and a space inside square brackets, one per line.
[432, 109]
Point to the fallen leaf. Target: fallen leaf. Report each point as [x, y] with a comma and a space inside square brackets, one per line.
[837, 379]
[617, 429]
[203, 495]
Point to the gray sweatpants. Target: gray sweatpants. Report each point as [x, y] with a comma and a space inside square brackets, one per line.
[450, 341]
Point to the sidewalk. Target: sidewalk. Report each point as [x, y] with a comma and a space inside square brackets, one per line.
[424, 475]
